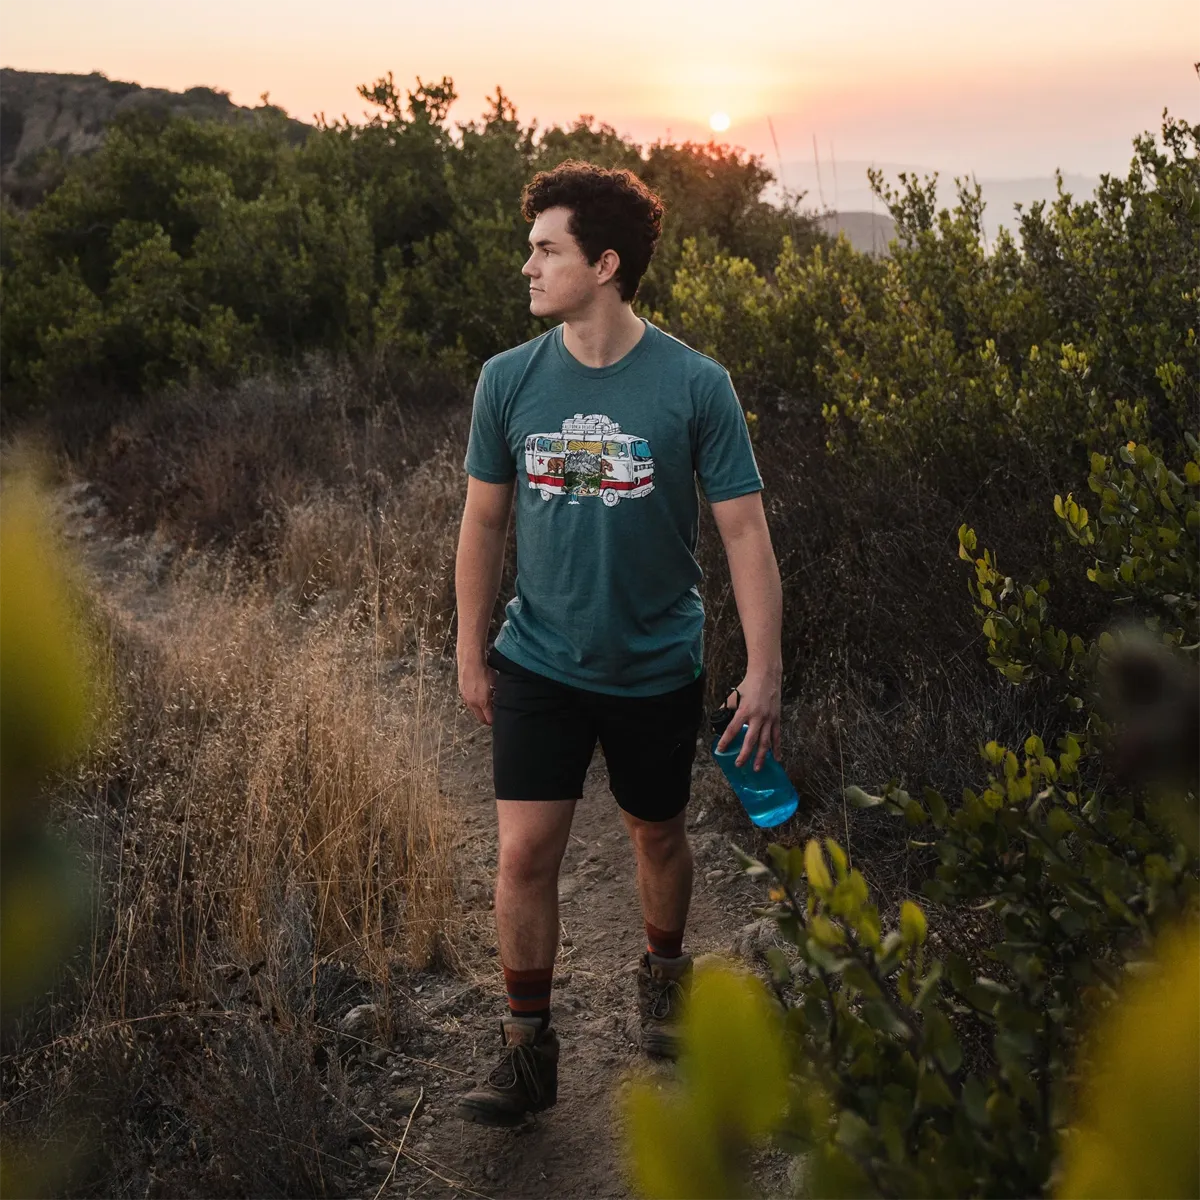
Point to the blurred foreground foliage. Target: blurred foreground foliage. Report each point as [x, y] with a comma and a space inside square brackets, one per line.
[46, 707]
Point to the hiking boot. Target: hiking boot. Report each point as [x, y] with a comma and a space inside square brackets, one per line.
[525, 1080]
[663, 984]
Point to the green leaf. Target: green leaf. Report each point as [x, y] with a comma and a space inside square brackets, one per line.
[928, 985]
[860, 799]
[912, 923]
[751, 866]
[674, 1151]
[853, 1133]
[936, 805]
[814, 866]
[841, 863]
[1140, 1100]
[974, 1101]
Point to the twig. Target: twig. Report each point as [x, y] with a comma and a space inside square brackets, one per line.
[425, 1062]
[400, 1148]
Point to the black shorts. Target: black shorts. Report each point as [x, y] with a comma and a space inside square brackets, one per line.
[544, 733]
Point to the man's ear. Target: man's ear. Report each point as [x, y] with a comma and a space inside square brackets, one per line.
[607, 266]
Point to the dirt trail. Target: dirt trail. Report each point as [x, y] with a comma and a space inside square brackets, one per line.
[576, 1148]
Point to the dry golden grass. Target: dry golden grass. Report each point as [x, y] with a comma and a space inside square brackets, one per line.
[258, 813]
[391, 555]
[260, 800]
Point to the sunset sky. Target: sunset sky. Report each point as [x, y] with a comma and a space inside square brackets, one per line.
[1002, 89]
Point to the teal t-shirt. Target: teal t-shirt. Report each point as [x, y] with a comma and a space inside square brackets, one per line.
[606, 461]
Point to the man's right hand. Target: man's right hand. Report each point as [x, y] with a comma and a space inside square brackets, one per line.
[476, 683]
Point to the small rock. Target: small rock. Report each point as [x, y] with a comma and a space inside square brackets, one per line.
[425, 1119]
[713, 876]
[360, 1022]
[563, 979]
[404, 1100]
[798, 1174]
[754, 939]
[381, 1164]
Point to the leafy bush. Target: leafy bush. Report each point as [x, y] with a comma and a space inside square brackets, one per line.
[965, 362]
[916, 1074]
[922, 1073]
[191, 250]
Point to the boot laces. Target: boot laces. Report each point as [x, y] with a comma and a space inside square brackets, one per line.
[664, 994]
[518, 1063]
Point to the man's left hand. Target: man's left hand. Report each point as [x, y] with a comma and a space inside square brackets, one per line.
[761, 701]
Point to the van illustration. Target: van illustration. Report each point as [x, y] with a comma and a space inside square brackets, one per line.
[589, 456]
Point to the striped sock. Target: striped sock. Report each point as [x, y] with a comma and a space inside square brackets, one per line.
[529, 993]
[663, 944]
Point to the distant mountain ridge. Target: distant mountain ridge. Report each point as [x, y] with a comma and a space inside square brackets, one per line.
[845, 189]
[42, 110]
[866, 231]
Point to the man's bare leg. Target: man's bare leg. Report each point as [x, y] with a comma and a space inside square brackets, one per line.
[533, 838]
[664, 869]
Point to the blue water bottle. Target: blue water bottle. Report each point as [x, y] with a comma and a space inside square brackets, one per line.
[767, 794]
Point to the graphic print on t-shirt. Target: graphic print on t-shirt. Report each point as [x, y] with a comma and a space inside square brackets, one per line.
[589, 456]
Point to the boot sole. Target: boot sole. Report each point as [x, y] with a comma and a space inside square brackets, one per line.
[482, 1115]
[661, 1048]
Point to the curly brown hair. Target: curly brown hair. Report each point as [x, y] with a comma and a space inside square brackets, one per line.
[610, 210]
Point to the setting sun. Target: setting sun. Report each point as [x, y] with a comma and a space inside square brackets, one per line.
[719, 122]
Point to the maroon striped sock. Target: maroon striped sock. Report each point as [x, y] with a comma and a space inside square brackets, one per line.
[529, 992]
[663, 944]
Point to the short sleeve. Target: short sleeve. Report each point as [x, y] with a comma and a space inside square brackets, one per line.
[489, 457]
[724, 458]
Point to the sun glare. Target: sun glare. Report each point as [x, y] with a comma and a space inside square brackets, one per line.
[719, 122]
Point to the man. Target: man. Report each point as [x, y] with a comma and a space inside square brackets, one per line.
[601, 427]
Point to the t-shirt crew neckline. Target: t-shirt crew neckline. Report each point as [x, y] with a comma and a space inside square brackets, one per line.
[573, 364]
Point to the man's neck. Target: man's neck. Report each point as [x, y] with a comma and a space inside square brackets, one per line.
[601, 338]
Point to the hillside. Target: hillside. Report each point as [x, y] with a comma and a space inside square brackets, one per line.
[41, 111]
[866, 231]
[847, 190]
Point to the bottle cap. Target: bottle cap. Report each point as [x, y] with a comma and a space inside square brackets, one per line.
[722, 716]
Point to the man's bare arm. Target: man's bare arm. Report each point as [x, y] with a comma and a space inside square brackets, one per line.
[756, 588]
[477, 570]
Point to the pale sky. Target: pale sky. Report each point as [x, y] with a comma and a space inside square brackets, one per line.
[1003, 90]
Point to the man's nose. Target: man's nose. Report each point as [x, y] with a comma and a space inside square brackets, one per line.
[527, 269]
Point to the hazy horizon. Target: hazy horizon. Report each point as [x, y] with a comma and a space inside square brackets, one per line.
[940, 85]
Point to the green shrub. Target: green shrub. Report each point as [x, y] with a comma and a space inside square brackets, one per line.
[190, 250]
[924, 1073]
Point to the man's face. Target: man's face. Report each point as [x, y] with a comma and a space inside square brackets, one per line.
[562, 284]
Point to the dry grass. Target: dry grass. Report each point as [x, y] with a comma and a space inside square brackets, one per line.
[263, 805]
[395, 559]
[265, 795]
[263, 841]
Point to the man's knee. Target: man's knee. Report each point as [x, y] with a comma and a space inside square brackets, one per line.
[659, 841]
[530, 862]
